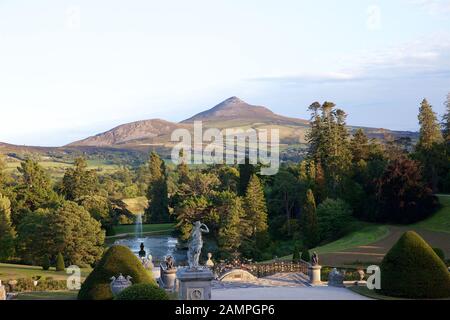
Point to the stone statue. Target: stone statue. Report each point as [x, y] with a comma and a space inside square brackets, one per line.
[315, 259]
[142, 252]
[196, 244]
[170, 263]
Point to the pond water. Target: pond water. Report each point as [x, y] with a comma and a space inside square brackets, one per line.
[158, 246]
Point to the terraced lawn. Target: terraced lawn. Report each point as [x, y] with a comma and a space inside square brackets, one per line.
[123, 230]
[17, 271]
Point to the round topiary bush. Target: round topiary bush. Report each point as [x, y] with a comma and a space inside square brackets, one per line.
[143, 291]
[117, 259]
[60, 266]
[411, 269]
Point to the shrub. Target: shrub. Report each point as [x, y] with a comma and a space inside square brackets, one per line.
[116, 260]
[335, 219]
[411, 269]
[143, 291]
[305, 255]
[45, 262]
[296, 254]
[440, 253]
[60, 266]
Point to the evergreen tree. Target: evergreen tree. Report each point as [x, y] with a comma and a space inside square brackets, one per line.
[305, 255]
[157, 194]
[430, 132]
[182, 169]
[33, 191]
[359, 146]
[60, 265]
[446, 121]
[231, 211]
[45, 262]
[246, 170]
[7, 233]
[309, 221]
[296, 255]
[255, 207]
[79, 182]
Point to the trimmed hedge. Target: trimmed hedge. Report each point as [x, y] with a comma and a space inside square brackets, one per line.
[440, 253]
[27, 285]
[45, 262]
[60, 266]
[305, 255]
[117, 259]
[143, 291]
[411, 269]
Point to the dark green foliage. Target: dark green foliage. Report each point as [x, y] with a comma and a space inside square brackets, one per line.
[246, 170]
[412, 269]
[32, 192]
[7, 233]
[309, 226]
[296, 256]
[305, 255]
[60, 266]
[157, 193]
[45, 263]
[335, 219]
[79, 182]
[143, 291]
[403, 196]
[440, 253]
[117, 259]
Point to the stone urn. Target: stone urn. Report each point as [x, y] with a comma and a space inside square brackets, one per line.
[168, 274]
[209, 263]
[335, 278]
[119, 284]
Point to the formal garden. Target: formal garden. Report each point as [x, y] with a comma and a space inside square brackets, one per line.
[350, 203]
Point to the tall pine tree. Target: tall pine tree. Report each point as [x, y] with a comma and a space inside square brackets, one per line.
[255, 207]
[430, 132]
[157, 194]
[309, 221]
[446, 121]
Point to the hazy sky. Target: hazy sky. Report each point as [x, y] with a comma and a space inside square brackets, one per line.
[70, 69]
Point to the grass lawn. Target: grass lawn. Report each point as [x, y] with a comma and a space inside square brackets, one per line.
[366, 235]
[17, 271]
[440, 221]
[48, 295]
[146, 228]
[136, 205]
[364, 291]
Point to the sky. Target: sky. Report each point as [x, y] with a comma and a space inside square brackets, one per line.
[72, 69]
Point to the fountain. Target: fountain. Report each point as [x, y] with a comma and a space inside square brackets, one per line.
[138, 228]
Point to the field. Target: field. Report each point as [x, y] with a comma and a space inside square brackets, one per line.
[136, 205]
[14, 271]
[56, 169]
[440, 221]
[129, 230]
[48, 295]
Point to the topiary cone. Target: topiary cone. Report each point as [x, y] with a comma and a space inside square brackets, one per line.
[411, 269]
[116, 260]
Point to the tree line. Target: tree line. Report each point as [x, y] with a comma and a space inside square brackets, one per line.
[345, 178]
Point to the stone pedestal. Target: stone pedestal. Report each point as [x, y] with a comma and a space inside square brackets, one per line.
[314, 275]
[194, 284]
[2, 291]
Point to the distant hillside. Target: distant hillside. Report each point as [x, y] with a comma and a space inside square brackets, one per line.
[143, 136]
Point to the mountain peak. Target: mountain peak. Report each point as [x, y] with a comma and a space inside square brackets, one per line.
[232, 108]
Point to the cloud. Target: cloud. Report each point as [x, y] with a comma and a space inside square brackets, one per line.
[429, 56]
